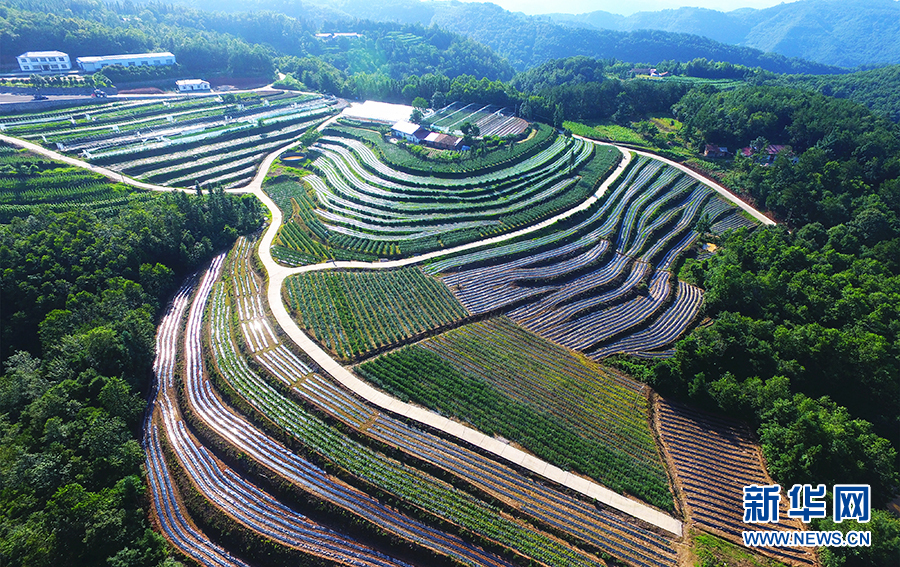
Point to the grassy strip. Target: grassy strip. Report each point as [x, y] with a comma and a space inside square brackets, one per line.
[605, 132]
[712, 551]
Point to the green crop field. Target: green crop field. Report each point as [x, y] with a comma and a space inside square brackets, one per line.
[352, 313]
[29, 182]
[563, 408]
[369, 199]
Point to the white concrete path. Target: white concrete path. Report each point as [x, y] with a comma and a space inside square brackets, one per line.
[721, 189]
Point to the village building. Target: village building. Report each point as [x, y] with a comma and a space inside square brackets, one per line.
[44, 61]
[192, 85]
[410, 132]
[714, 151]
[768, 154]
[337, 35]
[443, 141]
[92, 64]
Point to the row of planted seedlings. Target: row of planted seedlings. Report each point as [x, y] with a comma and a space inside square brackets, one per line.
[495, 289]
[111, 120]
[715, 457]
[22, 123]
[326, 397]
[244, 512]
[255, 509]
[97, 122]
[228, 160]
[469, 279]
[560, 158]
[367, 165]
[359, 226]
[580, 325]
[411, 487]
[661, 213]
[559, 234]
[664, 331]
[588, 330]
[574, 322]
[218, 117]
[367, 188]
[535, 372]
[430, 380]
[540, 373]
[377, 214]
[171, 513]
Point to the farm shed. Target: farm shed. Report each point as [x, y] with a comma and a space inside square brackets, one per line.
[130, 60]
[443, 141]
[192, 85]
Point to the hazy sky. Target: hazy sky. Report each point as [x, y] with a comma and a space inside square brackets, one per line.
[625, 7]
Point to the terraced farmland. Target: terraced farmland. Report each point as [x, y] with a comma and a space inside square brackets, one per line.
[357, 202]
[204, 140]
[29, 182]
[506, 381]
[603, 284]
[254, 450]
[292, 395]
[351, 313]
[715, 458]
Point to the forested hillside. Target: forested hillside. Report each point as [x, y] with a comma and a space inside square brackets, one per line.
[527, 41]
[846, 33]
[879, 89]
[241, 44]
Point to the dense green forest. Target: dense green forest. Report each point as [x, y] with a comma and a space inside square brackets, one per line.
[879, 89]
[80, 296]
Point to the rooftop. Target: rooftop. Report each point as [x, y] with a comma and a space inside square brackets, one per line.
[406, 127]
[95, 59]
[43, 54]
[380, 111]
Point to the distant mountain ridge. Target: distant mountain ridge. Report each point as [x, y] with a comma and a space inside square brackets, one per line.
[846, 33]
[526, 41]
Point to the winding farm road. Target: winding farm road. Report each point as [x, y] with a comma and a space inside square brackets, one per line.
[278, 273]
